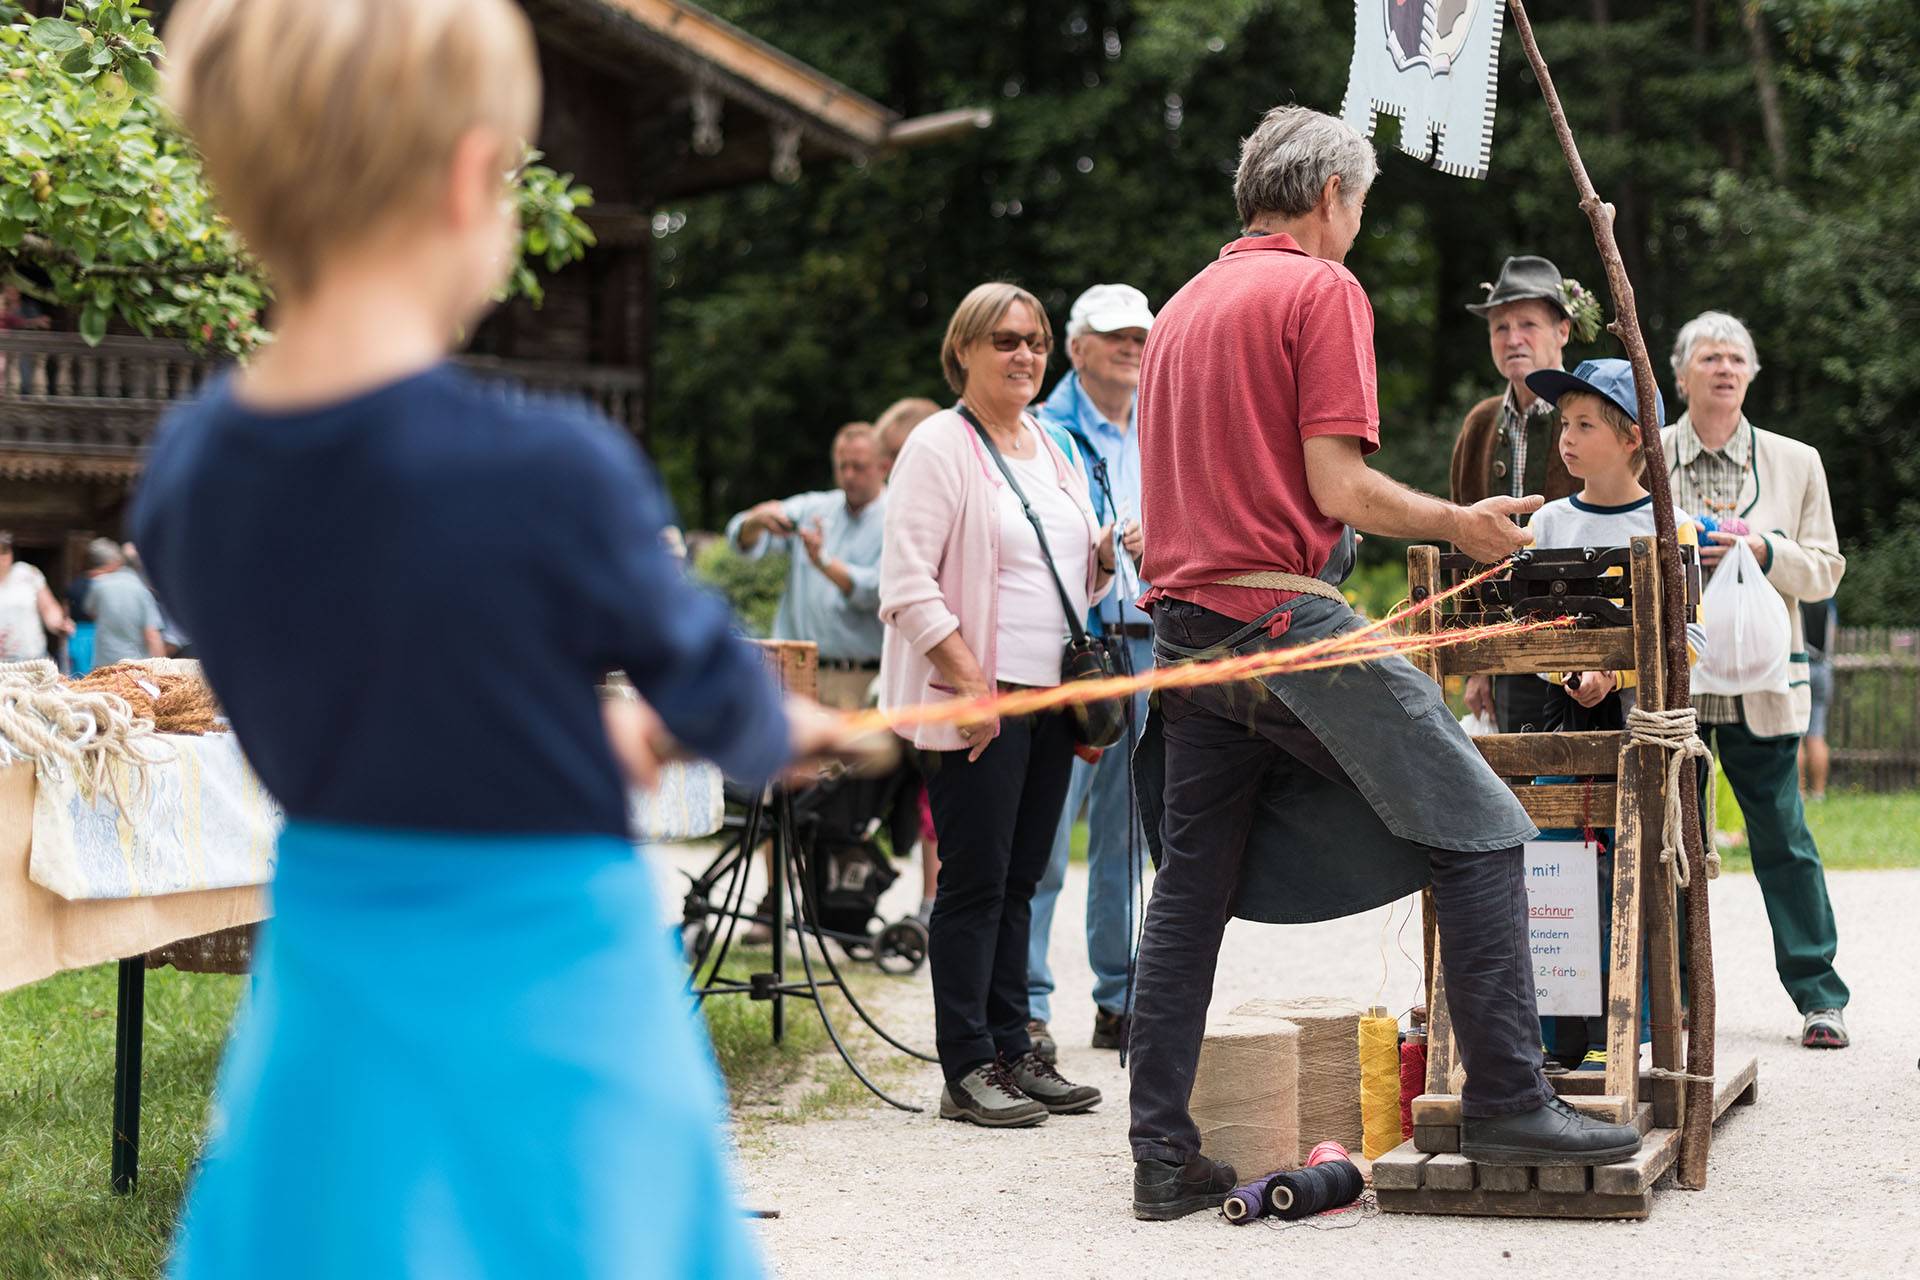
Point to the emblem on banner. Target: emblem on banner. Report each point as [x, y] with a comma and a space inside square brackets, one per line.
[1432, 63]
[1427, 33]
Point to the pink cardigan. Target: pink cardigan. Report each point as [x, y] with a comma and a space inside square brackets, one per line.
[940, 564]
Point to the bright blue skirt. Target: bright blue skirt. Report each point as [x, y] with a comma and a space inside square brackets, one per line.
[464, 1057]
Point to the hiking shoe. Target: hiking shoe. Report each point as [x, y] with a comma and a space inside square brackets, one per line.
[1553, 1133]
[988, 1096]
[1043, 1041]
[1037, 1079]
[1596, 1060]
[1163, 1190]
[1824, 1029]
[1109, 1029]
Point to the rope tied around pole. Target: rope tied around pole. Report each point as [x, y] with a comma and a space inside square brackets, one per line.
[1677, 732]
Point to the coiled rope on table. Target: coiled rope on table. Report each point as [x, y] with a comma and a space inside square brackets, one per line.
[175, 703]
[1677, 732]
[52, 723]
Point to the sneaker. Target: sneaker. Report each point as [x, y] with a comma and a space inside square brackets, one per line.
[1596, 1060]
[1824, 1029]
[988, 1096]
[1043, 1041]
[1038, 1080]
[1553, 1133]
[1163, 1190]
[1109, 1029]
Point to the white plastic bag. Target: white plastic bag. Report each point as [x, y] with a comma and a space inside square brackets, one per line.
[1749, 635]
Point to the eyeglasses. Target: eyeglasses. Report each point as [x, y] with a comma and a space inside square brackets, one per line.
[1007, 340]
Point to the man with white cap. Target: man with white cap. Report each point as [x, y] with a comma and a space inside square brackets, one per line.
[1094, 405]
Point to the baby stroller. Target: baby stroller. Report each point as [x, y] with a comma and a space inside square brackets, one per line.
[834, 839]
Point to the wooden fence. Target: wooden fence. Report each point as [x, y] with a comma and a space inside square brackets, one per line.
[1874, 724]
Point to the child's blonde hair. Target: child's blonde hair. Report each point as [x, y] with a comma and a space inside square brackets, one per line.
[319, 120]
[1616, 417]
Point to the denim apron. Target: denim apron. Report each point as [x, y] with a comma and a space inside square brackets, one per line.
[1316, 849]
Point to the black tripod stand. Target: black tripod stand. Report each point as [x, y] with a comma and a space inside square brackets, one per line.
[792, 905]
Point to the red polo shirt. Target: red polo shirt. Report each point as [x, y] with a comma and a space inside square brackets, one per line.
[1264, 348]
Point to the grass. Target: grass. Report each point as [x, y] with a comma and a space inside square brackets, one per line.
[57, 1217]
[1856, 831]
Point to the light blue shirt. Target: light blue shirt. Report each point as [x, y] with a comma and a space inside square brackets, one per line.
[1070, 408]
[846, 627]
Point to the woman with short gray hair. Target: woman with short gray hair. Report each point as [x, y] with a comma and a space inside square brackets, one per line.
[1772, 491]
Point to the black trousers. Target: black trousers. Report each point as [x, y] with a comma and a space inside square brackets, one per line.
[1224, 746]
[1523, 704]
[996, 818]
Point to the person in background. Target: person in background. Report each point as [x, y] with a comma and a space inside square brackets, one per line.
[833, 539]
[893, 427]
[126, 617]
[1722, 465]
[1094, 404]
[1509, 442]
[1820, 620]
[972, 599]
[28, 611]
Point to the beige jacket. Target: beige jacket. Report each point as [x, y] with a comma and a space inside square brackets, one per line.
[1784, 499]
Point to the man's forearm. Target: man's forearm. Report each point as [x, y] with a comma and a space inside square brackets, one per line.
[1378, 504]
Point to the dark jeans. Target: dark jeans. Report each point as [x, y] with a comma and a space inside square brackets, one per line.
[1765, 776]
[996, 819]
[1523, 704]
[1224, 746]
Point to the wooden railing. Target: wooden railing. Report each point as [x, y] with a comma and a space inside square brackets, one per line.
[1874, 722]
[59, 395]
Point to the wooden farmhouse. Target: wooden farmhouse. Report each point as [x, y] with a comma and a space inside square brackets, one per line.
[647, 102]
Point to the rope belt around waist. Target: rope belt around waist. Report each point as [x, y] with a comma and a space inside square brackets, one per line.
[1273, 581]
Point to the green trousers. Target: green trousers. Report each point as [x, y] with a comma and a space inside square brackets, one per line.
[1765, 776]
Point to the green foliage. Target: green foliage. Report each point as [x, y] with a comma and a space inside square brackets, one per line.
[752, 587]
[103, 209]
[1116, 132]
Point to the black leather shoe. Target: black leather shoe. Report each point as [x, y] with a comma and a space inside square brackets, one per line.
[1163, 1191]
[1550, 1134]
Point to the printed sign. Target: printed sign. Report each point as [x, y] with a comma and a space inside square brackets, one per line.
[1432, 63]
[1563, 925]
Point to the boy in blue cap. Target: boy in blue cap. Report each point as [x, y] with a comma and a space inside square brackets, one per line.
[1603, 449]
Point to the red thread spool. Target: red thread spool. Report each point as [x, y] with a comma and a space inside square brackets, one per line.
[1326, 1152]
[1413, 1079]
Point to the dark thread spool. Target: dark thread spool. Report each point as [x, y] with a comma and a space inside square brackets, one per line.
[1301, 1193]
[1247, 1202]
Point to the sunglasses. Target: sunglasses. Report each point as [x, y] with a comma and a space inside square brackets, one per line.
[1007, 340]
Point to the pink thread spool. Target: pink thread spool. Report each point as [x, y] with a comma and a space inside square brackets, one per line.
[1326, 1151]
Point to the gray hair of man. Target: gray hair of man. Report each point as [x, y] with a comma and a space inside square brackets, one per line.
[1710, 326]
[1285, 163]
[103, 553]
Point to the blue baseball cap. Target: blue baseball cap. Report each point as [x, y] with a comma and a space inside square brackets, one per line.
[1610, 379]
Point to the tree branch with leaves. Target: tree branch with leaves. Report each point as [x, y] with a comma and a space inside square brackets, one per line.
[104, 210]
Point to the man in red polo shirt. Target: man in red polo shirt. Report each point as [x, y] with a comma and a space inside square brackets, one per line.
[1314, 794]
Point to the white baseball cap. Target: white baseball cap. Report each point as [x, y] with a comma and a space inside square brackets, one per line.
[1107, 308]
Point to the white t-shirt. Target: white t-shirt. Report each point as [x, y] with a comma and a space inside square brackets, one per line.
[1033, 628]
[22, 635]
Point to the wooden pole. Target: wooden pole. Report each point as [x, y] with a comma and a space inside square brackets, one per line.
[1697, 1132]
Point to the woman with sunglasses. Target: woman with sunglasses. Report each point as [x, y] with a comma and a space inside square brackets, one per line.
[975, 602]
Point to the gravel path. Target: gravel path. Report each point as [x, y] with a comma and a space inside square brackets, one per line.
[1823, 1176]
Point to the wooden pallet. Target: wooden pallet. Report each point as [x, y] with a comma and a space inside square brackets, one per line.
[1426, 1174]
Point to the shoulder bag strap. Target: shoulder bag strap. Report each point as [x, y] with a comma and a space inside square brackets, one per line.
[1074, 624]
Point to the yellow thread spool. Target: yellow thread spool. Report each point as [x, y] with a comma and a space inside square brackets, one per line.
[1379, 1082]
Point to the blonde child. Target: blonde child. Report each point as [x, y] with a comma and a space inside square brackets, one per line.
[467, 1053]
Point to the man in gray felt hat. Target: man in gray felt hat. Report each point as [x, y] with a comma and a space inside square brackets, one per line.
[1507, 444]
